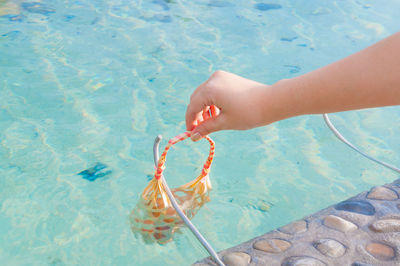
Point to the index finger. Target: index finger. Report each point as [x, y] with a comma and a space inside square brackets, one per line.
[194, 110]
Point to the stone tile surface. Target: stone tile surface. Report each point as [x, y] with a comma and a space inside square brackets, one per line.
[272, 245]
[339, 224]
[361, 231]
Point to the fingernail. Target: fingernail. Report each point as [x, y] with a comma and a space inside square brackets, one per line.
[196, 136]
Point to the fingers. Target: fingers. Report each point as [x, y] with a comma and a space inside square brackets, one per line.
[198, 102]
[197, 120]
[207, 127]
[206, 113]
[201, 113]
[193, 114]
[205, 122]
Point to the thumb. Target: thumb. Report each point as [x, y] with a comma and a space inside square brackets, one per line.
[206, 127]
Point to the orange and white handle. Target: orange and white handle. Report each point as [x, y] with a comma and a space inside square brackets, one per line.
[174, 140]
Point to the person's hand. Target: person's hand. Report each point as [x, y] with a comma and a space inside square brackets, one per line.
[369, 78]
[234, 103]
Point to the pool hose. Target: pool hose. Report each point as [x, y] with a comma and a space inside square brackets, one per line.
[348, 143]
[196, 232]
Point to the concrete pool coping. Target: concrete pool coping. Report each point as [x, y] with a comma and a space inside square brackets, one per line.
[361, 231]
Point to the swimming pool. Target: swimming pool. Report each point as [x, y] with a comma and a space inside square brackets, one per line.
[89, 85]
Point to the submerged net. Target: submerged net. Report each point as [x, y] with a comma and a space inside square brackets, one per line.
[154, 217]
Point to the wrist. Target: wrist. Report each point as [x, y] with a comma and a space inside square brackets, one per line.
[282, 100]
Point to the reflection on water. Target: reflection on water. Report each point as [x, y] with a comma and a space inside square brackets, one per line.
[87, 85]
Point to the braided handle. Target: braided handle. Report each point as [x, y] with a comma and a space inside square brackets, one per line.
[174, 140]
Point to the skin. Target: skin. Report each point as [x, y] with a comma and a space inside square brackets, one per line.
[366, 79]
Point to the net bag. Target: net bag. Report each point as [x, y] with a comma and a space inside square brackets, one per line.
[154, 217]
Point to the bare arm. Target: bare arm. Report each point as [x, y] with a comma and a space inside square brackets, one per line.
[369, 78]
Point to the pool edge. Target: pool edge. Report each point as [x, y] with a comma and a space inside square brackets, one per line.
[360, 231]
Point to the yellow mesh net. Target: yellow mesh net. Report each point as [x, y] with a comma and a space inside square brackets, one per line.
[154, 217]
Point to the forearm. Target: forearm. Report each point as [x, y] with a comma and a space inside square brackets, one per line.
[369, 78]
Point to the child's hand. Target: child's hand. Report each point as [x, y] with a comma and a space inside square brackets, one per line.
[238, 103]
[369, 78]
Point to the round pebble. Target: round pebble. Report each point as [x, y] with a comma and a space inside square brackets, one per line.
[356, 206]
[380, 251]
[339, 224]
[330, 247]
[302, 261]
[237, 259]
[386, 225]
[272, 245]
[294, 228]
[382, 193]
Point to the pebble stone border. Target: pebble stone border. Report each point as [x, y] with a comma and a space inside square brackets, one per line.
[361, 231]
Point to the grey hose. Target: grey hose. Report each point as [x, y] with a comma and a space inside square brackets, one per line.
[186, 220]
[348, 143]
[196, 232]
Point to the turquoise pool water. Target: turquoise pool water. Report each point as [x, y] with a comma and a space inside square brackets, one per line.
[89, 84]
